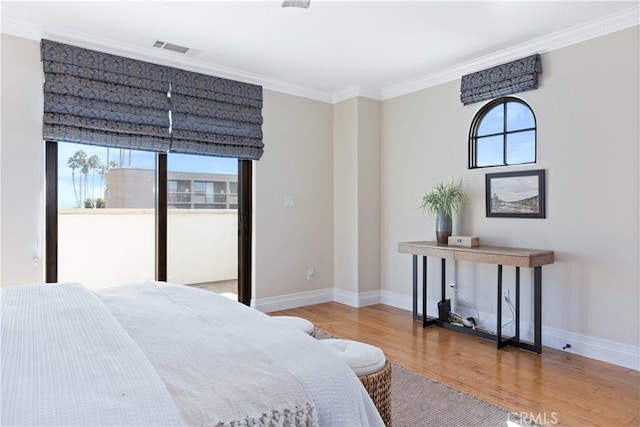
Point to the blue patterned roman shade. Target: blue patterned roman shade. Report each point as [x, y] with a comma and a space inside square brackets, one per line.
[506, 79]
[101, 99]
[215, 116]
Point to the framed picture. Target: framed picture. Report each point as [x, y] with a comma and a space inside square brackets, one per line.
[515, 194]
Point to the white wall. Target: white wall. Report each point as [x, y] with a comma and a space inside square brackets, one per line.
[22, 167]
[587, 117]
[368, 200]
[356, 192]
[345, 195]
[297, 162]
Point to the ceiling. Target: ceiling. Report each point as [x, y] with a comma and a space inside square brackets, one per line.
[333, 49]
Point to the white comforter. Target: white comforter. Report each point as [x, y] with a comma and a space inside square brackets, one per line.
[222, 364]
[67, 361]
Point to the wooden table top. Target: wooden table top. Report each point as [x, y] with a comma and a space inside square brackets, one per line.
[517, 257]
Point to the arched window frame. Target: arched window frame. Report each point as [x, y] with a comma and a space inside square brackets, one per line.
[475, 123]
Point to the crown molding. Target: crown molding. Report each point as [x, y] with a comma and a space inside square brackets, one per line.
[171, 59]
[354, 91]
[609, 24]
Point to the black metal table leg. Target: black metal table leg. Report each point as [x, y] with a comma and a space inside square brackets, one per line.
[499, 319]
[415, 287]
[537, 309]
[443, 279]
[424, 291]
[517, 304]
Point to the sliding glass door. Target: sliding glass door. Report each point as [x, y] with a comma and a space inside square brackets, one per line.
[202, 222]
[121, 216]
[106, 215]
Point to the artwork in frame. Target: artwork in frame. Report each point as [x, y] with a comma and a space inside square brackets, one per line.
[515, 194]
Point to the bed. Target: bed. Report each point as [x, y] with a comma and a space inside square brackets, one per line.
[154, 353]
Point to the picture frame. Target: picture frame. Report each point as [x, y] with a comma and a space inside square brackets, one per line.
[515, 194]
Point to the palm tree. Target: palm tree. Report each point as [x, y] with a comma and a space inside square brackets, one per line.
[95, 165]
[102, 171]
[84, 170]
[77, 161]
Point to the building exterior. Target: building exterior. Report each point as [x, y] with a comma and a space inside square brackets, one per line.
[129, 188]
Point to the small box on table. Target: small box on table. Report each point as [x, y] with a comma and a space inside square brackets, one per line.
[467, 241]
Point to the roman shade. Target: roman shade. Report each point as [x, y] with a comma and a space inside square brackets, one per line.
[502, 80]
[215, 116]
[102, 99]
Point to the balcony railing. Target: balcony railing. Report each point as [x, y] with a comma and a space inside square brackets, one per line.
[200, 200]
[102, 247]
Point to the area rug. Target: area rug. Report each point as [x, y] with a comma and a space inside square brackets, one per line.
[418, 401]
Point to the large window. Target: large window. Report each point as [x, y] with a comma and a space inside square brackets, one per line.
[202, 232]
[106, 215]
[502, 133]
[121, 216]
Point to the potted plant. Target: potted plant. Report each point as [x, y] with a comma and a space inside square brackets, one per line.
[443, 201]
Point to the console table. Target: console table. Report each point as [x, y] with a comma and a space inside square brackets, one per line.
[528, 258]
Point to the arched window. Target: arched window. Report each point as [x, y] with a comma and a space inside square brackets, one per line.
[502, 133]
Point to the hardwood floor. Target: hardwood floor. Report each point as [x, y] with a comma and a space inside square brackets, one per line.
[555, 387]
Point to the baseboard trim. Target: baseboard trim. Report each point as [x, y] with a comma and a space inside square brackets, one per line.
[299, 299]
[355, 299]
[608, 351]
[613, 352]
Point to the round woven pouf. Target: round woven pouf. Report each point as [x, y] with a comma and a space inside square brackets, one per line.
[298, 323]
[372, 368]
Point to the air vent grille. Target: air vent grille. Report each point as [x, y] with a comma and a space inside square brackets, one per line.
[172, 47]
[296, 3]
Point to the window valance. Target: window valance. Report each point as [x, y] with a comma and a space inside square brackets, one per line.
[97, 98]
[502, 80]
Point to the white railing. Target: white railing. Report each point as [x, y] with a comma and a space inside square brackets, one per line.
[105, 247]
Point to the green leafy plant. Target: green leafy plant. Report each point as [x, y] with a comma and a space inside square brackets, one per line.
[444, 198]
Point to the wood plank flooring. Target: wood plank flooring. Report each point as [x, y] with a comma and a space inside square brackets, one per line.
[555, 387]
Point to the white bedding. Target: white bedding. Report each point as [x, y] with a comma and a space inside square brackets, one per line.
[225, 362]
[159, 354]
[67, 361]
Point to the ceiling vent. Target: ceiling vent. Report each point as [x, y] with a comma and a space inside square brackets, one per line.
[171, 47]
[304, 4]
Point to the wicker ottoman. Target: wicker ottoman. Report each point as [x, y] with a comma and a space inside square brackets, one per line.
[298, 323]
[371, 367]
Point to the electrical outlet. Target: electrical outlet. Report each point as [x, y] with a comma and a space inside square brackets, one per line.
[452, 284]
[505, 294]
[310, 273]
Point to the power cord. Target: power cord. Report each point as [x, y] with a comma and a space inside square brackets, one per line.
[461, 321]
[458, 292]
[513, 315]
[513, 311]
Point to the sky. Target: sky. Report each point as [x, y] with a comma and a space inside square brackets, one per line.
[133, 159]
[521, 146]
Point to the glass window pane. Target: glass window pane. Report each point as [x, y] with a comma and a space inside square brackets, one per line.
[492, 122]
[489, 151]
[519, 116]
[521, 147]
[106, 201]
[202, 232]
[199, 187]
